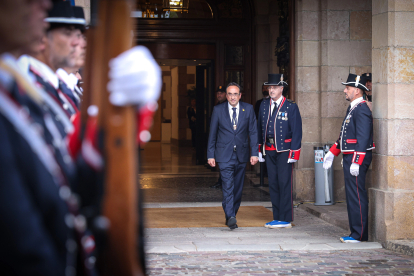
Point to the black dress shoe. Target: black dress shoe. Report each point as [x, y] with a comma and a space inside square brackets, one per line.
[216, 186]
[232, 223]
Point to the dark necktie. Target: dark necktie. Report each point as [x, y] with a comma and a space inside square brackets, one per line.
[274, 107]
[234, 116]
[349, 108]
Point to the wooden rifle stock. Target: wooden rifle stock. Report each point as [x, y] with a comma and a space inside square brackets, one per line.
[110, 35]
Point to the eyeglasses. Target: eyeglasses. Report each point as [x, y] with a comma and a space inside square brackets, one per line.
[233, 95]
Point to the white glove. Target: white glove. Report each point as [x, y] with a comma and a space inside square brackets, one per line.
[290, 160]
[327, 162]
[261, 159]
[134, 78]
[354, 169]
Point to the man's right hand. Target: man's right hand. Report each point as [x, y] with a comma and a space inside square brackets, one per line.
[212, 162]
[327, 162]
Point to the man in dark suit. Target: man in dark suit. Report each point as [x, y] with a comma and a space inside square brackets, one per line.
[232, 124]
[356, 144]
[280, 136]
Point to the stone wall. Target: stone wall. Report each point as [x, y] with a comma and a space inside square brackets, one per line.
[333, 39]
[267, 31]
[392, 196]
[86, 4]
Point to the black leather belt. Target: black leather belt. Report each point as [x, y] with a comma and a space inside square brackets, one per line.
[270, 140]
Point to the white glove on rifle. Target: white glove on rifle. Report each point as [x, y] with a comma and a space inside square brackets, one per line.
[327, 162]
[354, 169]
[290, 160]
[135, 78]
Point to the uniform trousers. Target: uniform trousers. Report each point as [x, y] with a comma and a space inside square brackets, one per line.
[279, 173]
[232, 176]
[356, 197]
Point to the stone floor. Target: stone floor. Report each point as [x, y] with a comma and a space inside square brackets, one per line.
[311, 247]
[362, 262]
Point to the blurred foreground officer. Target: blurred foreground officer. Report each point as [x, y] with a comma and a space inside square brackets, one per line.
[36, 203]
[44, 232]
[356, 144]
[67, 74]
[232, 124]
[280, 136]
[57, 49]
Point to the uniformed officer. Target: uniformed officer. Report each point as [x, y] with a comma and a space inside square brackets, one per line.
[280, 136]
[368, 94]
[356, 144]
[57, 50]
[67, 74]
[44, 231]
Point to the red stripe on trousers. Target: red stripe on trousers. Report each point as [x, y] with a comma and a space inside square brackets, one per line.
[291, 193]
[360, 211]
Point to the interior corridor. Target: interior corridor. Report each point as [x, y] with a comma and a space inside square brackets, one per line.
[169, 174]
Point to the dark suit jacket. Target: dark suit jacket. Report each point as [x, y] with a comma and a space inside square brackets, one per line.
[222, 137]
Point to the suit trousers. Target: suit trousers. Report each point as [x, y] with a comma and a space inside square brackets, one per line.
[279, 173]
[232, 176]
[356, 197]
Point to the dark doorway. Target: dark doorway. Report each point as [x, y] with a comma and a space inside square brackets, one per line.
[205, 96]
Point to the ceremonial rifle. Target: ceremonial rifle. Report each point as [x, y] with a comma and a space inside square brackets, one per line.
[109, 35]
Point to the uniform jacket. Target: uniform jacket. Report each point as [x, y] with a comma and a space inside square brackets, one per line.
[287, 126]
[35, 173]
[356, 136]
[50, 82]
[223, 137]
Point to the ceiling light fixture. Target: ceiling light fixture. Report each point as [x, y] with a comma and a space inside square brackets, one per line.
[175, 5]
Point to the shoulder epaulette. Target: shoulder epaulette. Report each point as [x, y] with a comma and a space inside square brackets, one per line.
[289, 100]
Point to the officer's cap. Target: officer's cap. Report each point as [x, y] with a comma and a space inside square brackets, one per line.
[357, 81]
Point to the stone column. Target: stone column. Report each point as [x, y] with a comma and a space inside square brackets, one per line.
[86, 4]
[333, 39]
[391, 210]
[308, 90]
[346, 48]
[262, 44]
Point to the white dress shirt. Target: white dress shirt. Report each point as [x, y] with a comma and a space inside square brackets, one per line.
[231, 112]
[277, 103]
[356, 101]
